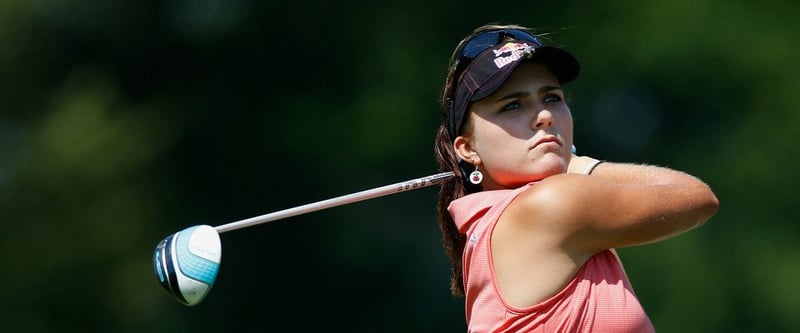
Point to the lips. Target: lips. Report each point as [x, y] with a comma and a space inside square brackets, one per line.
[546, 139]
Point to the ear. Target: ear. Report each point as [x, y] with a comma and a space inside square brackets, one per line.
[465, 150]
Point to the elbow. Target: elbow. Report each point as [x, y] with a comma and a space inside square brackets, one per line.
[713, 204]
[709, 205]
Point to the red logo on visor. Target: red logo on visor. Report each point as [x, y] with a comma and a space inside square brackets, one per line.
[511, 52]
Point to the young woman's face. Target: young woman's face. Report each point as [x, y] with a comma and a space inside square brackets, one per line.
[522, 132]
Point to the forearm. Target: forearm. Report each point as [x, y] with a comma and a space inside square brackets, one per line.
[625, 173]
[628, 173]
[626, 204]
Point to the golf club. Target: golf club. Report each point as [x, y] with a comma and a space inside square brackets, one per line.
[186, 263]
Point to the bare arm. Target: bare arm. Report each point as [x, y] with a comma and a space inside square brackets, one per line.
[641, 174]
[627, 173]
[618, 205]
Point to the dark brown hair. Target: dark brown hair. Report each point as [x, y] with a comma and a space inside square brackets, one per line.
[455, 187]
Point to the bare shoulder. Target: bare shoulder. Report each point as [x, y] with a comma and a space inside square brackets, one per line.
[553, 205]
[530, 242]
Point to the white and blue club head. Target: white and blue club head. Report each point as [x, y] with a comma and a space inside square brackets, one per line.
[186, 263]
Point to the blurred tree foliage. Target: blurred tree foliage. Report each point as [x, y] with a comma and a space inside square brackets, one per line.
[122, 122]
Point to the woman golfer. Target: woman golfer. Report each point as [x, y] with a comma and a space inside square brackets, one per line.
[531, 228]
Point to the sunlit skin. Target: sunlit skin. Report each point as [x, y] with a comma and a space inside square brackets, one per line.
[541, 218]
[521, 133]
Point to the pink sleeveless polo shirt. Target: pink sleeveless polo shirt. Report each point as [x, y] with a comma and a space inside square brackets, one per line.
[598, 299]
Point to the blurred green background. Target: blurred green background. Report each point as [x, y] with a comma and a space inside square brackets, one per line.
[122, 122]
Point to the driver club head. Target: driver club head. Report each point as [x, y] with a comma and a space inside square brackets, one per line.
[186, 263]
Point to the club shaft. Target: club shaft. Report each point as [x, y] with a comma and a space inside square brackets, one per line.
[338, 201]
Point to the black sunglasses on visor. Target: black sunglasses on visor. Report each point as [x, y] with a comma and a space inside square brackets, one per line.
[485, 40]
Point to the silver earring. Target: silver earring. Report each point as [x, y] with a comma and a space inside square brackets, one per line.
[574, 150]
[476, 177]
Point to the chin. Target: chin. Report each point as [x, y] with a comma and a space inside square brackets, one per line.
[552, 164]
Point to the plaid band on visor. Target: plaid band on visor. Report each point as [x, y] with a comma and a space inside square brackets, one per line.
[479, 72]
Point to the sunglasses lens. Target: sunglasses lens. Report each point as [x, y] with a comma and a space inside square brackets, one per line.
[480, 43]
[488, 39]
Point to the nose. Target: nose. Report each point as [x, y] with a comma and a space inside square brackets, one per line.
[543, 120]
